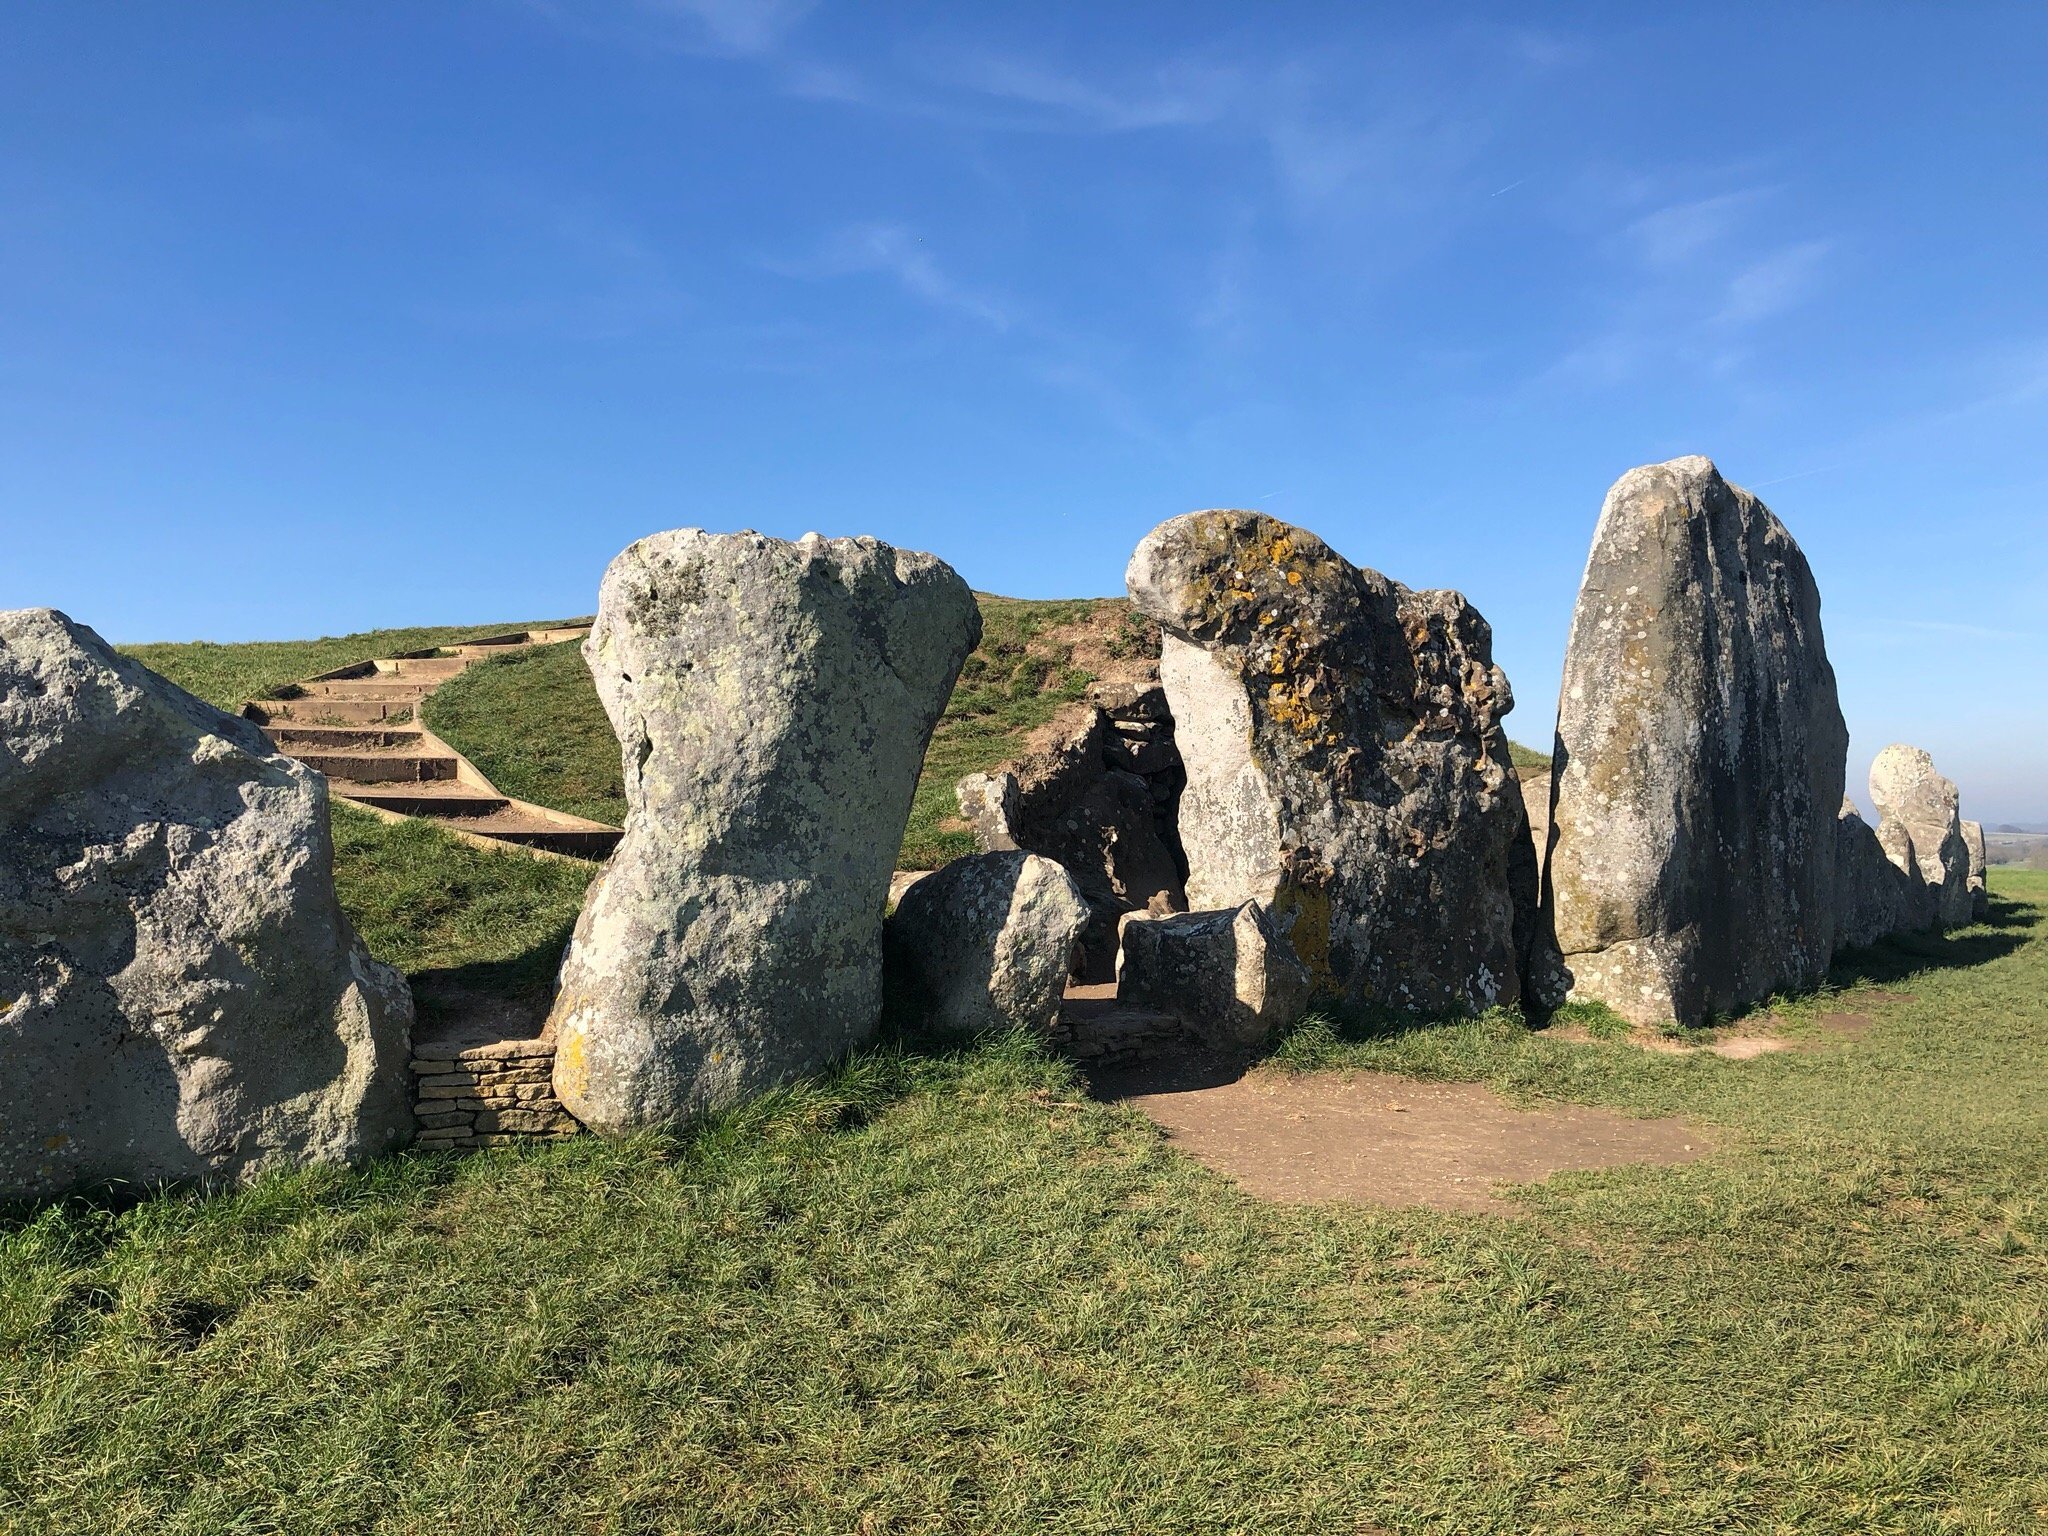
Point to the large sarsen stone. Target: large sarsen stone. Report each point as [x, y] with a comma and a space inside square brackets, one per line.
[1345, 767]
[181, 996]
[1700, 756]
[773, 702]
[1873, 897]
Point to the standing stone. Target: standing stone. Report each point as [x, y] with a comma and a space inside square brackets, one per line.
[1228, 976]
[1700, 756]
[773, 702]
[1922, 830]
[181, 996]
[1980, 865]
[986, 943]
[1874, 899]
[1344, 763]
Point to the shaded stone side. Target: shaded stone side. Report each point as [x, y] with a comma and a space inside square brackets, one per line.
[1980, 864]
[1874, 898]
[1099, 794]
[1345, 766]
[1700, 756]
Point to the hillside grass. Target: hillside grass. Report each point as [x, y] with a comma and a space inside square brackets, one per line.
[949, 1293]
[531, 720]
[228, 676]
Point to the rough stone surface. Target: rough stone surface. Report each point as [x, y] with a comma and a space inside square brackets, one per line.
[1980, 891]
[1228, 976]
[1096, 793]
[773, 703]
[1922, 830]
[986, 943]
[181, 996]
[1345, 766]
[1700, 756]
[1873, 897]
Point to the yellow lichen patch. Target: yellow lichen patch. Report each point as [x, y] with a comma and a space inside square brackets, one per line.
[1294, 578]
[572, 1072]
[1280, 550]
[1304, 910]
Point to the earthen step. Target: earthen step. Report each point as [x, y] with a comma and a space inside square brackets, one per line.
[383, 689]
[288, 737]
[331, 712]
[380, 767]
[436, 669]
[438, 799]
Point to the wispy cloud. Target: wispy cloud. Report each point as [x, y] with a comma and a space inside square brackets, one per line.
[1774, 284]
[897, 252]
[738, 29]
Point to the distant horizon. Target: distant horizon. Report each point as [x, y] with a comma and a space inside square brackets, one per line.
[326, 320]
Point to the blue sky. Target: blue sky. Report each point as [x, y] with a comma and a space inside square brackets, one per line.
[316, 317]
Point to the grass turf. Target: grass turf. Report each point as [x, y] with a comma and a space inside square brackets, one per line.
[949, 1293]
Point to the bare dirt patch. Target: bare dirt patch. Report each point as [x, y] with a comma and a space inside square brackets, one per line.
[1744, 1042]
[1374, 1139]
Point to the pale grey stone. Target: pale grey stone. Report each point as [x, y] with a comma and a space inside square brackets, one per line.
[773, 702]
[1700, 756]
[1345, 766]
[986, 943]
[1228, 976]
[181, 995]
[1980, 891]
[1922, 829]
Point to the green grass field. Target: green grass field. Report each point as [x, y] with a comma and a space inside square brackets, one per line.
[947, 1292]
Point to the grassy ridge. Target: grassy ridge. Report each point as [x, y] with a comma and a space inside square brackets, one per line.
[949, 1293]
[227, 676]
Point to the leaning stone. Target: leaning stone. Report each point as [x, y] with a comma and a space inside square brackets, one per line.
[773, 702]
[1980, 865]
[986, 943]
[1700, 756]
[1344, 762]
[1922, 830]
[181, 996]
[1228, 976]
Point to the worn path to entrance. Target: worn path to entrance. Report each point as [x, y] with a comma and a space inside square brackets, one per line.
[1376, 1139]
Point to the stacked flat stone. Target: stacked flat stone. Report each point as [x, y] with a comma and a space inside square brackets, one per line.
[489, 1095]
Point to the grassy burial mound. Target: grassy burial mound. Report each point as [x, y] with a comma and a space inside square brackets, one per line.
[954, 1293]
[532, 723]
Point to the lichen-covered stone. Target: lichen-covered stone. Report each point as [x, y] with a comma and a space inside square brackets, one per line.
[181, 996]
[1345, 767]
[773, 702]
[1874, 899]
[1980, 865]
[1700, 756]
[1922, 829]
[1229, 976]
[986, 943]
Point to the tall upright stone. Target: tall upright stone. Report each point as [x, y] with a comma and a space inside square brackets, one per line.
[1345, 765]
[773, 702]
[181, 995]
[1980, 868]
[1700, 756]
[1921, 827]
